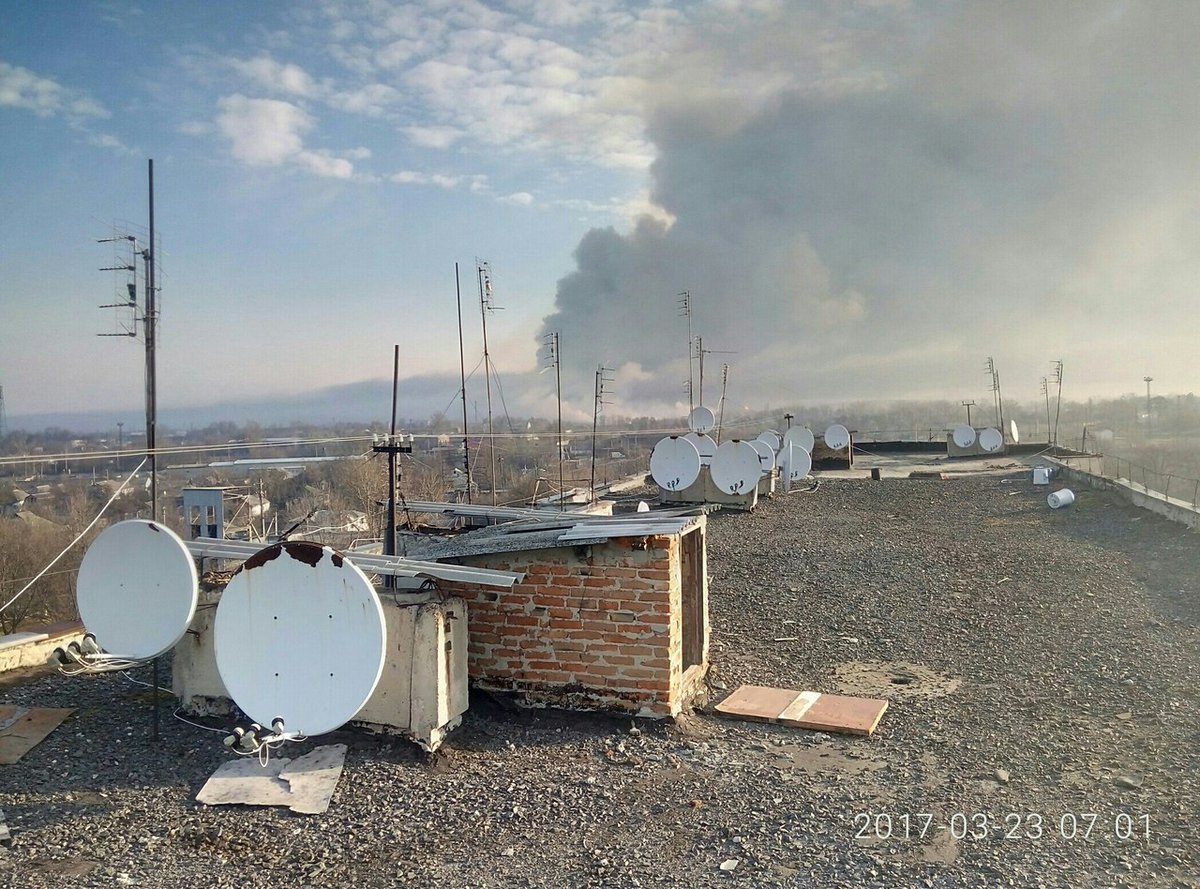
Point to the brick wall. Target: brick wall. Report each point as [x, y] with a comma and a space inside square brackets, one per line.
[596, 626]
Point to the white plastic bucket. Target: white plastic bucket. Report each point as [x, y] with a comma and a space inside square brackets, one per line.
[1062, 498]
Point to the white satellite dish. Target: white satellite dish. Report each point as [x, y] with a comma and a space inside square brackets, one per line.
[964, 436]
[801, 436]
[702, 420]
[299, 635]
[137, 589]
[991, 440]
[1013, 432]
[837, 437]
[704, 444]
[736, 467]
[674, 463]
[772, 438]
[766, 456]
[795, 463]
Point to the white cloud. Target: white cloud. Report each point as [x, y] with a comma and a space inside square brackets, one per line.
[262, 132]
[517, 198]
[21, 88]
[270, 133]
[433, 137]
[266, 73]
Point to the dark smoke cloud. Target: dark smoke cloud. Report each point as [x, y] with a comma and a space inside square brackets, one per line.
[1012, 180]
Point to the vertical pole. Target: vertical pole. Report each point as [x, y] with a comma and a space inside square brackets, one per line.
[151, 323]
[389, 545]
[562, 488]
[700, 358]
[462, 364]
[595, 418]
[1058, 405]
[487, 376]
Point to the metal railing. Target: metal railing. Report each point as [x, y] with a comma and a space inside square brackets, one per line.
[1170, 484]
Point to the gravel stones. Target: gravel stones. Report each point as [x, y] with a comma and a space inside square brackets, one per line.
[884, 573]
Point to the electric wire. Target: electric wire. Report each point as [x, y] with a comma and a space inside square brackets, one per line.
[78, 537]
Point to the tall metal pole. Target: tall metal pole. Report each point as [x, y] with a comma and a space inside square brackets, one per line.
[151, 380]
[562, 488]
[1148, 381]
[595, 418]
[1046, 392]
[487, 376]
[721, 405]
[968, 405]
[462, 364]
[1058, 373]
[389, 545]
[152, 397]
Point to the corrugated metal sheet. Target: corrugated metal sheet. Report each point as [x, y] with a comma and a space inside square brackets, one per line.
[385, 565]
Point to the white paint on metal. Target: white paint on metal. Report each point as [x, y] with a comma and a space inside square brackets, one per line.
[300, 635]
[964, 436]
[991, 440]
[675, 463]
[702, 420]
[801, 436]
[137, 589]
[837, 437]
[771, 437]
[766, 456]
[704, 444]
[735, 467]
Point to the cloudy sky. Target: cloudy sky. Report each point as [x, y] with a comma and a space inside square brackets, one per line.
[864, 200]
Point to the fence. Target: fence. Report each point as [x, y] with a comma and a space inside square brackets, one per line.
[1182, 487]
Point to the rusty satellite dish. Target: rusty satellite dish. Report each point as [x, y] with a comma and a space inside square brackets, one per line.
[299, 635]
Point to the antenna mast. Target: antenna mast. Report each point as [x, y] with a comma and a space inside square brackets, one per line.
[395, 445]
[462, 364]
[485, 306]
[1058, 377]
[601, 379]
[555, 359]
[685, 311]
[721, 404]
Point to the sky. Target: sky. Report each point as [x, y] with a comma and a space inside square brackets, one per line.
[864, 200]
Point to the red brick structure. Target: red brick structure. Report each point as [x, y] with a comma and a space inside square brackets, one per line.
[617, 624]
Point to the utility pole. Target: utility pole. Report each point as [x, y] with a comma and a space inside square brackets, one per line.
[1148, 381]
[120, 443]
[721, 403]
[968, 405]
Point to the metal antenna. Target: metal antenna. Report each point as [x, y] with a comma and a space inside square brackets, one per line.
[968, 405]
[1046, 392]
[685, 311]
[395, 445]
[995, 374]
[601, 378]
[486, 305]
[1148, 380]
[721, 404]
[554, 360]
[462, 364]
[1058, 378]
[700, 353]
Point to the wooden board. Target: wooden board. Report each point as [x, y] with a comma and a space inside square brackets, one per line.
[804, 709]
[26, 727]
